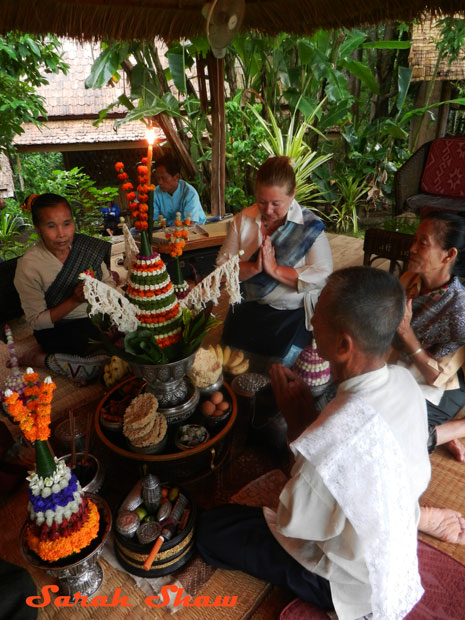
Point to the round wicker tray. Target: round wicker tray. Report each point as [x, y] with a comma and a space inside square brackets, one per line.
[194, 462]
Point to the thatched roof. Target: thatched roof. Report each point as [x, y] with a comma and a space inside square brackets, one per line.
[174, 19]
[424, 54]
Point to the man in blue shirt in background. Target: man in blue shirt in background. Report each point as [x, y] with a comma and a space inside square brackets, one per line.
[172, 194]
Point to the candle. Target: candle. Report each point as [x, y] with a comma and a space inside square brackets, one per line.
[150, 137]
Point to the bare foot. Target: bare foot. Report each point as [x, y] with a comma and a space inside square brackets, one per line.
[456, 447]
[32, 357]
[442, 523]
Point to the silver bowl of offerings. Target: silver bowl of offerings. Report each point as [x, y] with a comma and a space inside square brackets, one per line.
[167, 382]
[80, 572]
[191, 435]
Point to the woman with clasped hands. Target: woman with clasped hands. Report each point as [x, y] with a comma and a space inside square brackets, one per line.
[431, 337]
[285, 262]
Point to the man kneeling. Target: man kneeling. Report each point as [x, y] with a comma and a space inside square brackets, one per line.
[345, 534]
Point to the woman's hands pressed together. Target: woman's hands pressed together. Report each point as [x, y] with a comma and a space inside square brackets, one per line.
[268, 257]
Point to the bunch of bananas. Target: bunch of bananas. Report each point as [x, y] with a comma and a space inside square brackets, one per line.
[233, 361]
[114, 371]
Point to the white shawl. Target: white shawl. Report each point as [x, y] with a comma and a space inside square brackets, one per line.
[361, 463]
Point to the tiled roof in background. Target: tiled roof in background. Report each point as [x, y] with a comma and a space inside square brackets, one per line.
[66, 95]
[68, 103]
[80, 132]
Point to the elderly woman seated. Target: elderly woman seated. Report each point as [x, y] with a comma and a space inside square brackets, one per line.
[431, 337]
[47, 281]
[286, 260]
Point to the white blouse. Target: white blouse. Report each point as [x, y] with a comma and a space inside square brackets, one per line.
[313, 269]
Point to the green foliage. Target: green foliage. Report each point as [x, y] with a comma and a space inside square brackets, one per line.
[142, 344]
[35, 169]
[352, 83]
[292, 143]
[195, 327]
[407, 223]
[82, 194]
[10, 228]
[141, 347]
[23, 61]
[352, 192]
[245, 152]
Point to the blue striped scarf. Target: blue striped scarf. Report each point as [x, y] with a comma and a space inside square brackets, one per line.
[290, 242]
[86, 253]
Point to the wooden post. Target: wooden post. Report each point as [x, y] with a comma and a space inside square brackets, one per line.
[216, 75]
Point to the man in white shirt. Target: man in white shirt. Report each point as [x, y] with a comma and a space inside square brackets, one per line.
[344, 536]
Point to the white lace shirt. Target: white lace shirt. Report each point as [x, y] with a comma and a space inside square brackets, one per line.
[310, 524]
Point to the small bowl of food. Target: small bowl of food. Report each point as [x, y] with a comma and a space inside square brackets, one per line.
[215, 410]
[190, 436]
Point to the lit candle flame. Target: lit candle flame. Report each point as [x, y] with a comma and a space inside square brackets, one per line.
[150, 135]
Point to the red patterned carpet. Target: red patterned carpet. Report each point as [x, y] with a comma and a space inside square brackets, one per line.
[442, 577]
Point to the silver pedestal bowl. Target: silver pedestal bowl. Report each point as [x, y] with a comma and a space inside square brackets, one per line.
[83, 574]
[177, 397]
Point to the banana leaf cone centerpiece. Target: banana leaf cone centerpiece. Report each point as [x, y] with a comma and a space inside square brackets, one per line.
[160, 316]
[157, 328]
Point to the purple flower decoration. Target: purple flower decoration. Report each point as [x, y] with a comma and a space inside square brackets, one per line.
[62, 498]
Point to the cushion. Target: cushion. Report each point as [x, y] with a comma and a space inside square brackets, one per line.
[444, 172]
[300, 610]
[442, 578]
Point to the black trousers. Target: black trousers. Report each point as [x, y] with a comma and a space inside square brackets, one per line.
[67, 336]
[236, 537]
[449, 406]
[261, 329]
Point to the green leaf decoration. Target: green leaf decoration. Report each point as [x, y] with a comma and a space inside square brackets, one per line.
[45, 463]
[142, 344]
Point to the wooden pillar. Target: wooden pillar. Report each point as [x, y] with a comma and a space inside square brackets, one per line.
[216, 75]
[443, 114]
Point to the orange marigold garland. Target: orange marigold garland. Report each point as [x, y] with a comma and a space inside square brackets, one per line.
[60, 545]
[137, 202]
[33, 409]
[178, 238]
[61, 520]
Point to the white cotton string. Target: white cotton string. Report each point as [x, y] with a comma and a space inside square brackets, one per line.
[106, 300]
[130, 247]
[208, 289]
